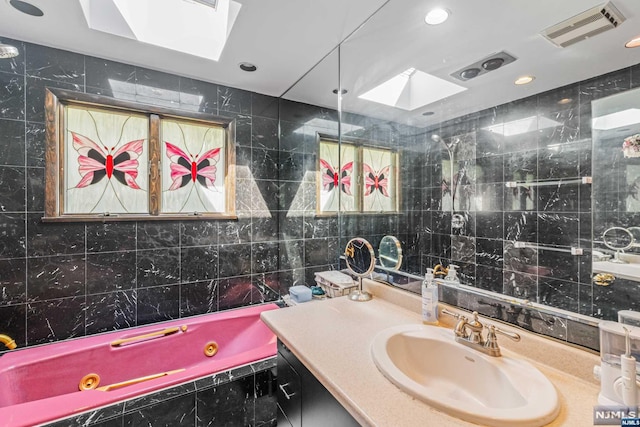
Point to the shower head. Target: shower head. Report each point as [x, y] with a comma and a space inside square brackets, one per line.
[436, 138]
[8, 51]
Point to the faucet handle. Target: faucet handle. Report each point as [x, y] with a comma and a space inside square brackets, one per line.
[450, 313]
[512, 335]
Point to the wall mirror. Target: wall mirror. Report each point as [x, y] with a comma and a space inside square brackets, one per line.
[535, 183]
[390, 253]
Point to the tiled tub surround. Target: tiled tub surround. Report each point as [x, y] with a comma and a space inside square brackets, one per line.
[45, 383]
[350, 374]
[62, 281]
[244, 396]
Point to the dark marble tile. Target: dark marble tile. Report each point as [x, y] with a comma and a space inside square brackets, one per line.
[558, 162]
[558, 229]
[178, 412]
[158, 304]
[291, 166]
[157, 88]
[316, 252]
[264, 133]
[266, 288]
[198, 263]
[489, 169]
[489, 224]
[231, 231]
[584, 335]
[266, 406]
[264, 257]
[520, 285]
[234, 292]
[12, 97]
[264, 197]
[229, 404]
[55, 277]
[490, 197]
[157, 234]
[14, 321]
[111, 271]
[35, 144]
[264, 106]
[12, 142]
[54, 64]
[55, 320]
[165, 396]
[558, 293]
[244, 126]
[12, 182]
[521, 226]
[558, 128]
[109, 416]
[111, 236]
[291, 137]
[558, 265]
[35, 94]
[489, 252]
[198, 298]
[200, 94]
[264, 164]
[489, 278]
[111, 311]
[235, 260]
[561, 197]
[521, 166]
[13, 232]
[234, 100]
[463, 249]
[198, 233]
[35, 189]
[558, 99]
[264, 228]
[605, 85]
[291, 254]
[13, 282]
[110, 76]
[157, 267]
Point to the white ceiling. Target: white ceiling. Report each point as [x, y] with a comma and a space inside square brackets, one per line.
[286, 38]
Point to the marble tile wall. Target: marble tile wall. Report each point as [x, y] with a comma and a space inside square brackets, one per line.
[60, 281]
[488, 153]
[244, 396]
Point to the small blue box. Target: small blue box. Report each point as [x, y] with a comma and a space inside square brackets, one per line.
[300, 294]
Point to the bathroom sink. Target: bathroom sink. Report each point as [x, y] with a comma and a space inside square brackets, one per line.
[427, 363]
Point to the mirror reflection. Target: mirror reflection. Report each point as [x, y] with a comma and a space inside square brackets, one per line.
[390, 253]
[359, 257]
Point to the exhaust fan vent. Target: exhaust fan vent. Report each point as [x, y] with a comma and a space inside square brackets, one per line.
[584, 25]
[210, 3]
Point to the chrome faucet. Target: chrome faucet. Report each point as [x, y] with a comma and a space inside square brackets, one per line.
[469, 333]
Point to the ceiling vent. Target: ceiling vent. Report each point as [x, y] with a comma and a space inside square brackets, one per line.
[210, 3]
[478, 68]
[584, 25]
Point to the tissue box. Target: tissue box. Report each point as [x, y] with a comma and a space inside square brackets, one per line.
[300, 294]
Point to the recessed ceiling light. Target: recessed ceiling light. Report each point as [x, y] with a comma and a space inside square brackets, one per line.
[25, 7]
[633, 42]
[428, 113]
[248, 67]
[565, 101]
[524, 80]
[436, 16]
[342, 92]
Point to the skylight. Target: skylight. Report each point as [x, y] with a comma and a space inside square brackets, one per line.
[192, 27]
[412, 89]
[520, 126]
[324, 125]
[627, 117]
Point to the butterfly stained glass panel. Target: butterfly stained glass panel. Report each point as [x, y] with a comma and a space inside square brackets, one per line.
[106, 161]
[193, 167]
[379, 186]
[336, 177]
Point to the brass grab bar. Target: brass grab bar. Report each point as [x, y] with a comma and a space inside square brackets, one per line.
[137, 380]
[167, 331]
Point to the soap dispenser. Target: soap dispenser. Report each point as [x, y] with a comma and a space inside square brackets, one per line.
[452, 275]
[429, 299]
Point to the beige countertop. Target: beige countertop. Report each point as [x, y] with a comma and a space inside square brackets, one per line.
[333, 339]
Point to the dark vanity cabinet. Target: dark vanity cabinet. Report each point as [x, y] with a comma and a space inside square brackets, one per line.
[302, 400]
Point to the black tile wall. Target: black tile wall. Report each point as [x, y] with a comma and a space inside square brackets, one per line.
[61, 281]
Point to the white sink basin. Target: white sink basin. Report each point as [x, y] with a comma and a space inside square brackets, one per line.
[427, 363]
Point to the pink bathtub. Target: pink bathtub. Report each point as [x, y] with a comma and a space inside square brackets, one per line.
[42, 384]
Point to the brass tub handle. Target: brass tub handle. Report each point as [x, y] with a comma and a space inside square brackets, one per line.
[167, 331]
[137, 380]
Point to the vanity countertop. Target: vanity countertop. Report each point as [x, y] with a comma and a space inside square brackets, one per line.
[333, 339]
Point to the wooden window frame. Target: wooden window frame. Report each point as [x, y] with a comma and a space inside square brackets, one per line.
[358, 176]
[55, 102]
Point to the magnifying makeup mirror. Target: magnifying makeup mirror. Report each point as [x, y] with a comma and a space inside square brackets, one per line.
[619, 239]
[390, 253]
[361, 260]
